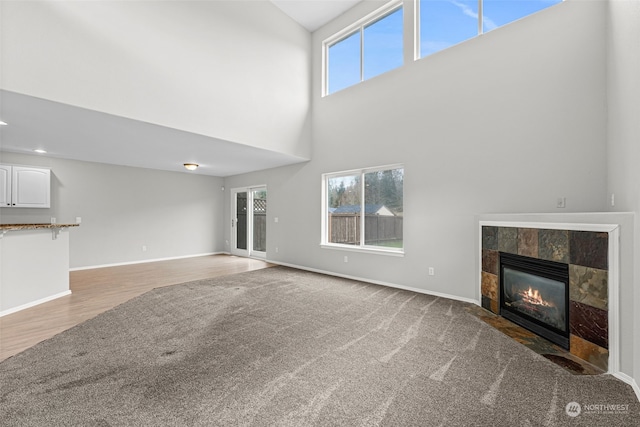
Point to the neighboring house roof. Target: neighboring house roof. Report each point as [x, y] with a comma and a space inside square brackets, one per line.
[368, 210]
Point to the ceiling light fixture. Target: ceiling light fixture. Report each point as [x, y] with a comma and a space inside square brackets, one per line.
[40, 151]
[2, 123]
[191, 166]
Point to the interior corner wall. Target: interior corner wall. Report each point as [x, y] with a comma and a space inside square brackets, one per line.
[507, 122]
[623, 92]
[123, 209]
[233, 70]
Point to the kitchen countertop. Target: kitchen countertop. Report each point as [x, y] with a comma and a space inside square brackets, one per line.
[15, 227]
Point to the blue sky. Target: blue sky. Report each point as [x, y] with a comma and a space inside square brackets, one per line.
[383, 51]
[443, 23]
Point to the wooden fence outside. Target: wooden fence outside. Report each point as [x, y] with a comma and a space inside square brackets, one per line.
[379, 229]
[259, 223]
[260, 231]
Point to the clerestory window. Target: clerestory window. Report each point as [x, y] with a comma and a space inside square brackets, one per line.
[372, 46]
[444, 23]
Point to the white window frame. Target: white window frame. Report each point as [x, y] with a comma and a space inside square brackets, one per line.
[380, 13]
[324, 242]
[356, 27]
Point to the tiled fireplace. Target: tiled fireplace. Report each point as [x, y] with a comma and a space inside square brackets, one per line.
[586, 256]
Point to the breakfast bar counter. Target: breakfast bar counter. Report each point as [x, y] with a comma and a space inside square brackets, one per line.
[15, 227]
[34, 264]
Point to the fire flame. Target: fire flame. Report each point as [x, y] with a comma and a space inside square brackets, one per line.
[532, 296]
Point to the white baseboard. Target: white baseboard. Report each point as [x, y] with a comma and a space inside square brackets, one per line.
[627, 379]
[117, 264]
[377, 282]
[34, 303]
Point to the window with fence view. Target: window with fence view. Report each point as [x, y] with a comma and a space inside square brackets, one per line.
[365, 208]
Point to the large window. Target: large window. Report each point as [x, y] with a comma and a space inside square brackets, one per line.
[444, 23]
[366, 49]
[364, 209]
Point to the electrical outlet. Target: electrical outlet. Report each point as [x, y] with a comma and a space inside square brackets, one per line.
[144, 248]
[562, 202]
[346, 258]
[53, 220]
[276, 249]
[78, 220]
[275, 219]
[432, 271]
[613, 199]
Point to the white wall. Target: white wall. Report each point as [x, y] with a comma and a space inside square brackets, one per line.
[623, 86]
[34, 268]
[123, 208]
[233, 70]
[507, 122]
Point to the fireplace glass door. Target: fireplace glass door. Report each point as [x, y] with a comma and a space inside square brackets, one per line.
[538, 297]
[534, 294]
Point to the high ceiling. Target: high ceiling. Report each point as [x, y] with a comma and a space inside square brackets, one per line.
[313, 14]
[105, 138]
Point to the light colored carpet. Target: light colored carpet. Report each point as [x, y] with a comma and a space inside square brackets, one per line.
[282, 347]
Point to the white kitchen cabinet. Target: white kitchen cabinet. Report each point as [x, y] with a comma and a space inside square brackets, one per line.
[25, 187]
[5, 185]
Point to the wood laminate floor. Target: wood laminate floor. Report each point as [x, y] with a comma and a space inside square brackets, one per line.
[98, 290]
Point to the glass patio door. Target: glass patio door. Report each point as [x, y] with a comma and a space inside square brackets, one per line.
[249, 222]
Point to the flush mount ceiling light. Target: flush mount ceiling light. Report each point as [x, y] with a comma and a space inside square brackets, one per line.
[40, 151]
[191, 166]
[2, 123]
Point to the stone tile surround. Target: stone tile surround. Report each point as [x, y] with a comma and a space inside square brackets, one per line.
[585, 252]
